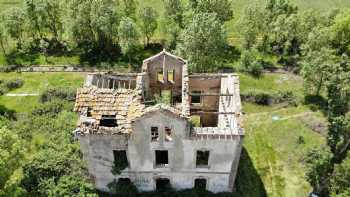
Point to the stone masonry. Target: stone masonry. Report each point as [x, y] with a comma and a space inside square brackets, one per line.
[171, 128]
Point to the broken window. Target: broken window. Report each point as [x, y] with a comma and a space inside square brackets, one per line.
[195, 97]
[120, 161]
[163, 184]
[162, 158]
[154, 134]
[110, 83]
[125, 181]
[160, 76]
[202, 158]
[88, 113]
[171, 75]
[200, 183]
[168, 134]
[108, 121]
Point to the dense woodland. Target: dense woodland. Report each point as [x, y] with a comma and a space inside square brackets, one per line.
[112, 33]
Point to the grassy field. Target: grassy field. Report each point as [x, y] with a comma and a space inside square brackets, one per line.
[277, 139]
[36, 83]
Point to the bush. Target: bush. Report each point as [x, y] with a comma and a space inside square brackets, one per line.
[265, 98]
[6, 86]
[51, 108]
[14, 84]
[10, 68]
[286, 97]
[67, 185]
[57, 93]
[250, 63]
[122, 189]
[260, 98]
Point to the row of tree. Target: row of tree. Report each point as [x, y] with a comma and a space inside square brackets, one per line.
[100, 29]
[295, 37]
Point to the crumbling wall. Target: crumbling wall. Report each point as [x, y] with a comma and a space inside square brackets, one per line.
[98, 153]
[206, 85]
[114, 81]
[164, 63]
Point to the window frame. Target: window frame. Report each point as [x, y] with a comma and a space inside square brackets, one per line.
[173, 75]
[200, 97]
[166, 129]
[200, 178]
[161, 165]
[160, 73]
[158, 134]
[208, 161]
[126, 156]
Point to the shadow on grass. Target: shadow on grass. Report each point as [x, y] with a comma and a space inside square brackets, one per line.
[248, 182]
[316, 102]
[8, 113]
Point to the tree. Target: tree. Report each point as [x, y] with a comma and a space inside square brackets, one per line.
[174, 11]
[318, 167]
[148, 20]
[316, 65]
[203, 42]
[340, 180]
[11, 154]
[130, 8]
[3, 37]
[128, 36]
[15, 24]
[45, 16]
[93, 27]
[172, 22]
[340, 33]
[80, 20]
[250, 25]
[170, 32]
[104, 23]
[222, 8]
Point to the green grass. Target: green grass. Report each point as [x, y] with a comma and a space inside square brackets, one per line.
[272, 83]
[37, 83]
[273, 146]
[275, 152]
[6, 4]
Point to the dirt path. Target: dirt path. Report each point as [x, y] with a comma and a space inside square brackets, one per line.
[21, 94]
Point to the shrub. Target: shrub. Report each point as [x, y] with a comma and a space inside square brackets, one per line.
[14, 84]
[265, 98]
[250, 63]
[125, 189]
[260, 98]
[10, 68]
[58, 93]
[51, 108]
[286, 97]
[67, 185]
[6, 86]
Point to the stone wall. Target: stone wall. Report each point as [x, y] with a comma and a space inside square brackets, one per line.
[181, 171]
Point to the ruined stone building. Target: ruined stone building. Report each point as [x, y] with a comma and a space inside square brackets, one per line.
[166, 126]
